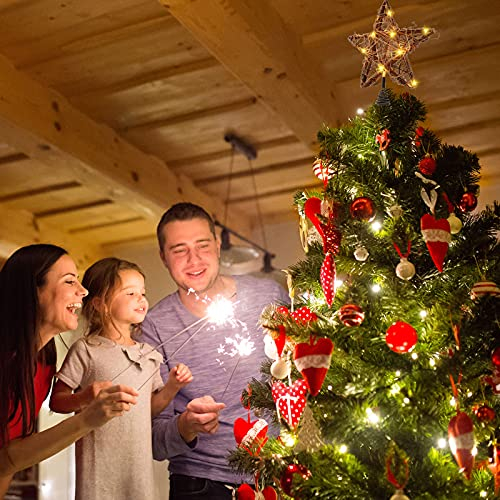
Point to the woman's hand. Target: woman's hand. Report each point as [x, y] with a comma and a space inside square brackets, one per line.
[110, 402]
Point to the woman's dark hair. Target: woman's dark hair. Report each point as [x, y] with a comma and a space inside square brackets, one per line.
[21, 276]
[101, 280]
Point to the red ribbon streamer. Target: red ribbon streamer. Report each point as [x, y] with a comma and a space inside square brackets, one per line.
[399, 251]
[392, 478]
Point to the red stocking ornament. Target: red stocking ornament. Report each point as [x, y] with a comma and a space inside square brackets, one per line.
[313, 361]
[461, 439]
[437, 235]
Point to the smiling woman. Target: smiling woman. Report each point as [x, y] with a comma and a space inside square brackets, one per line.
[39, 296]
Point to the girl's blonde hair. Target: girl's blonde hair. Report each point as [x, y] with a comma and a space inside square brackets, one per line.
[101, 280]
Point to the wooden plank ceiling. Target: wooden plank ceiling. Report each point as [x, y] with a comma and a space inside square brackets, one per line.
[112, 110]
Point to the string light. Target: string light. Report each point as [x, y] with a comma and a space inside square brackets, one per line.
[360, 111]
[423, 314]
[376, 225]
[372, 416]
[483, 494]
[343, 448]
[442, 443]
[453, 402]
[376, 288]
[414, 355]
[432, 362]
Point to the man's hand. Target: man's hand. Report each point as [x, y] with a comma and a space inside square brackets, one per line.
[201, 415]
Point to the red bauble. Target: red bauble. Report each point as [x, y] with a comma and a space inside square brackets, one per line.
[495, 357]
[427, 165]
[303, 316]
[351, 315]
[401, 337]
[362, 208]
[468, 202]
[485, 413]
[286, 481]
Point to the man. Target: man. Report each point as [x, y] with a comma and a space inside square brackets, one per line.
[195, 433]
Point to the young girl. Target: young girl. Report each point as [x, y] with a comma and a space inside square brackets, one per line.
[116, 462]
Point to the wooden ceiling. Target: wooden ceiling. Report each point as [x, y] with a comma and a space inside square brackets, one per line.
[112, 110]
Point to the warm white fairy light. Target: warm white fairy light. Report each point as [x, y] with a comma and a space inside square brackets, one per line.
[343, 448]
[372, 417]
[397, 373]
[376, 288]
[338, 283]
[360, 111]
[288, 439]
[432, 362]
[423, 314]
[360, 156]
[469, 394]
[330, 387]
[406, 401]
[483, 494]
[414, 355]
[376, 226]
[453, 402]
[442, 443]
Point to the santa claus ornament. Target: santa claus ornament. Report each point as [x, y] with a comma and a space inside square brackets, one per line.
[461, 440]
[290, 401]
[313, 361]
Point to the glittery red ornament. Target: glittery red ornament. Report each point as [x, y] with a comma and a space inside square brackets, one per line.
[468, 202]
[362, 208]
[419, 132]
[401, 337]
[495, 357]
[485, 413]
[427, 165]
[286, 481]
[351, 315]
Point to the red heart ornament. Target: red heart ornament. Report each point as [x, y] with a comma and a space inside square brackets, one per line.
[313, 361]
[312, 207]
[437, 235]
[290, 401]
[461, 439]
[246, 492]
[251, 436]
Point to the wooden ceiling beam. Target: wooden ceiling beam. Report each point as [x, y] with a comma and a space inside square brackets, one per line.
[194, 115]
[148, 78]
[19, 228]
[41, 190]
[276, 192]
[275, 167]
[226, 153]
[43, 125]
[254, 43]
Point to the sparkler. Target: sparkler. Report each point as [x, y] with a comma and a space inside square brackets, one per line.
[219, 311]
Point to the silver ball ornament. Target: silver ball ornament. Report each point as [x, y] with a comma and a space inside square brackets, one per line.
[280, 369]
[361, 254]
[455, 223]
[396, 211]
[405, 269]
[399, 495]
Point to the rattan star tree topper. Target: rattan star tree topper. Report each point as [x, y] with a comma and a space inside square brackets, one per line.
[387, 47]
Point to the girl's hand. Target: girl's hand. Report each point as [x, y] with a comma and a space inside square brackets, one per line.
[180, 376]
[111, 402]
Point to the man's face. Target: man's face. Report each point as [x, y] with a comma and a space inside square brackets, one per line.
[191, 254]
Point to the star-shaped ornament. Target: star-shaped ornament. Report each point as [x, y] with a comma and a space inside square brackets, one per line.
[387, 47]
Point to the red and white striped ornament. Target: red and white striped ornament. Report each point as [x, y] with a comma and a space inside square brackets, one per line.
[322, 170]
[483, 289]
[351, 315]
[461, 440]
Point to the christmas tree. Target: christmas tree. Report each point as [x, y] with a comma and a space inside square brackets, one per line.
[384, 373]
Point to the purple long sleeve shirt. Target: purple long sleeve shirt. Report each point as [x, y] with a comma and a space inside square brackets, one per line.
[208, 356]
